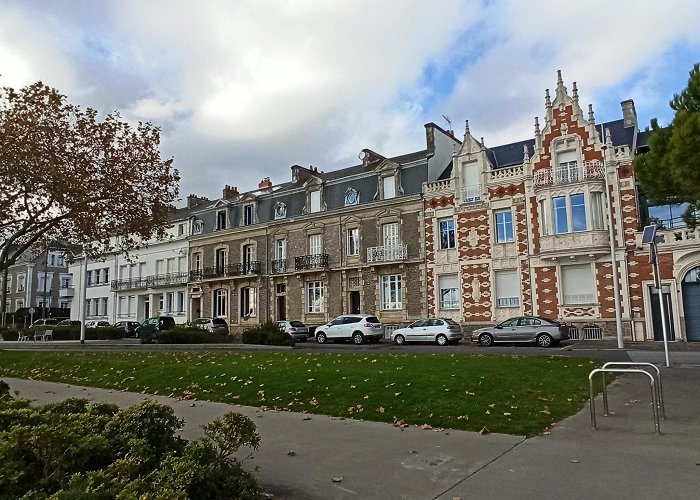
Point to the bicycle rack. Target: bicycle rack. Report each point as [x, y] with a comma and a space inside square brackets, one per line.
[652, 385]
[659, 387]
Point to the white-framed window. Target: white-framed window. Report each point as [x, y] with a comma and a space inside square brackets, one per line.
[248, 258]
[220, 299]
[561, 215]
[391, 292]
[19, 303]
[597, 210]
[21, 282]
[88, 308]
[88, 278]
[507, 288]
[248, 215]
[105, 275]
[180, 302]
[315, 198]
[197, 261]
[353, 239]
[390, 234]
[389, 187]
[248, 302]
[142, 270]
[504, 226]
[220, 260]
[103, 308]
[449, 291]
[578, 284]
[315, 244]
[180, 229]
[66, 281]
[122, 307]
[131, 304]
[578, 212]
[169, 302]
[170, 265]
[315, 291]
[570, 213]
[471, 182]
[447, 233]
[281, 249]
[221, 219]
[64, 304]
[161, 302]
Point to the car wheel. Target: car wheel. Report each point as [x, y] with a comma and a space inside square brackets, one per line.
[485, 339]
[358, 338]
[400, 340]
[441, 339]
[321, 338]
[544, 340]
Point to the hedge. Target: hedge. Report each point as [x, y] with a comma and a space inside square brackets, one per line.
[191, 336]
[268, 333]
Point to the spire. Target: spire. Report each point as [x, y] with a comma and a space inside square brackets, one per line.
[547, 100]
[526, 154]
[591, 118]
[561, 90]
[538, 135]
[575, 93]
[483, 145]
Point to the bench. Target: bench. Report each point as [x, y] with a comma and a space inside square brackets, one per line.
[43, 335]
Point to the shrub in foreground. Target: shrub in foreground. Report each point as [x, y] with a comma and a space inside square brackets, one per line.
[78, 449]
[268, 333]
[191, 336]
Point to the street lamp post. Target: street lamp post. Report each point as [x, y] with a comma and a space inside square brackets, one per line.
[83, 297]
[613, 257]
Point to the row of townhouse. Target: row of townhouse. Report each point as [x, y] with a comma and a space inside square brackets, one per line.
[457, 229]
[38, 280]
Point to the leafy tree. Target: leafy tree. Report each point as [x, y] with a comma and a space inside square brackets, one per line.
[67, 175]
[670, 172]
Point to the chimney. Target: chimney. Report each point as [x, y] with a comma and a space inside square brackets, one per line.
[230, 192]
[629, 114]
[265, 184]
[194, 200]
[300, 174]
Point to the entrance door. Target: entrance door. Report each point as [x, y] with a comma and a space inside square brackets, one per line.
[691, 304]
[281, 308]
[147, 309]
[355, 302]
[656, 313]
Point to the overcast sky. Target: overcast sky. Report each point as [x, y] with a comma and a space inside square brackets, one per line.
[245, 89]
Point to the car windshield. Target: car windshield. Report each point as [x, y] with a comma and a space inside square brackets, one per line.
[297, 324]
[372, 319]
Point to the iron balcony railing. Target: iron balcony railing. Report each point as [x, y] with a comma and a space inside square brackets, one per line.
[317, 261]
[388, 253]
[153, 281]
[570, 173]
[279, 266]
[238, 269]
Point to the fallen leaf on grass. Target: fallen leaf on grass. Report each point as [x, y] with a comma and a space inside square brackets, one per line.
[426, 427]
[573, 461]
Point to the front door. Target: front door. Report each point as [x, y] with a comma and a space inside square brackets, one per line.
[691, 304]
[656, 313]
[355, 302]
[281, 308]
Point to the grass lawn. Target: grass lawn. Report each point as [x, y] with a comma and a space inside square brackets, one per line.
[508, 394]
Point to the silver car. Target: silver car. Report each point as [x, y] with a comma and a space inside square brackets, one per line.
[439, 330]
[545, 332]
[358, 327]
[296, 329]
[214, 325]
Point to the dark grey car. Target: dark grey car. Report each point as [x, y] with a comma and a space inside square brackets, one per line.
[545, 332]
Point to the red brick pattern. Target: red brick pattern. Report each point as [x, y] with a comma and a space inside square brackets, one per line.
[476, 292]
[547, 291]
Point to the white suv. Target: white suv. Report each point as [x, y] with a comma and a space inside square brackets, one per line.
[358, 327]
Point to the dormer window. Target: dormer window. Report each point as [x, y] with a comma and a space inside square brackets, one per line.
[280, 210]
[221, 219]
[248, 215]
[197, 227]
[352, 197]
[389, 187]
[315, 198]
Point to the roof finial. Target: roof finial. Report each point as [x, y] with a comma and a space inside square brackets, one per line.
[547, 99]
[591, 117]
[483, 145]
[559, 79]
[537, 126]
[574, 91]
[466, 128]
[526, 154]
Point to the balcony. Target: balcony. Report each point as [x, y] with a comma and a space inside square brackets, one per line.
[391, 253]
[278, 266]
[569, 174]
[153, 281]
[66, 291]
[568, 245]
[317, 261]
[228, 270]
[471, 194]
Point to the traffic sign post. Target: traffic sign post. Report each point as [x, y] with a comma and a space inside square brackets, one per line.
[649, 238]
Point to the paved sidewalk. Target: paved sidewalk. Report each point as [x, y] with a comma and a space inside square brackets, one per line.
[623, 459]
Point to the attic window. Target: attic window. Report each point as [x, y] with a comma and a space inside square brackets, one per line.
[221, 219]
[315, 201]
[389, 187]
[247, 215]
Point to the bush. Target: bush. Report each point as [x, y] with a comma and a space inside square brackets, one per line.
[191, 336]
[78, 449]
[68, 333]
[268, 333]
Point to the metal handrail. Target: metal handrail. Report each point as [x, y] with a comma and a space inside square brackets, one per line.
[659, 387]
[654, 406]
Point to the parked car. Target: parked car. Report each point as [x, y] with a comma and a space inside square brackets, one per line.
[47, 321]
[129, 327]
[68, 322]
[296, 329]
[545, 332]
[440, 330]
[150, 326]
[214, 325]
[358, 327]
[94, 323]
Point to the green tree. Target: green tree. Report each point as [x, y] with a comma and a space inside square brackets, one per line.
[670, 172]
[68, 175]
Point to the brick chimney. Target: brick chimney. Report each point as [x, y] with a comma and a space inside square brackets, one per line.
[629, 114]
[230, 192]
[265, 184]
[194, 200]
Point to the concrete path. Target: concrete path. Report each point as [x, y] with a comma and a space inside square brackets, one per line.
[623, 459]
